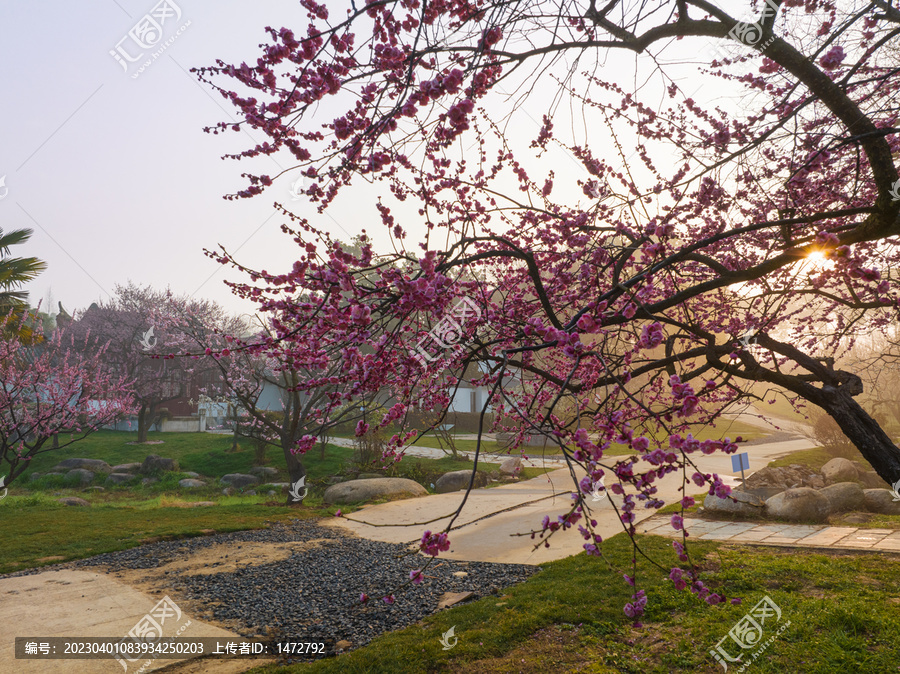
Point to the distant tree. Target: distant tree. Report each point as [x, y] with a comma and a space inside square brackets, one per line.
[132, 329]
[51, 387]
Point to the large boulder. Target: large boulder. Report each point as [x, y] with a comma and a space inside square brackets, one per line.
[458, 479]
[126, 468]
[93, 465]
[118, 478]
[844, 497]
[190, 483]
[239, 480]
[356, 491]
[158, 464]
[749, 505]
[775, 478]
[264, 471]
[512, 466]
[881, 501]
[80, 475]
[73, 501]
[798, 505]
[839, 470]
[871, 480]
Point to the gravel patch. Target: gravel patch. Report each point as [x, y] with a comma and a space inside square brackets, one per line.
[314, 593]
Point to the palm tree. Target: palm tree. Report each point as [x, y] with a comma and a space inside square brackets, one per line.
[14, 271]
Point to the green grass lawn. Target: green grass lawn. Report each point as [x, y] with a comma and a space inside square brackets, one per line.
[842, 610]
[37, 530]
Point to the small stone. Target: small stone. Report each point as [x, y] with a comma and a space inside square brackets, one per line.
[228, 491]
[94, 488]
[154, 464]
[93, 465]
[73, 501]
[460, 574]
[118, 478]
[342, 645]
[264, 471]
[239, 480]
[126, 468]
[191, 474]
[839, 470]
[449, 599]
[149, 480]
[80, 475]
[191, 484]
[512, 466]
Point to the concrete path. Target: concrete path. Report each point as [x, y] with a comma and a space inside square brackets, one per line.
[781, 535]
[71, 603]
[495, 523]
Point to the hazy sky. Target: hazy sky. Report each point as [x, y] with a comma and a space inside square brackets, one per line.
[114, 172]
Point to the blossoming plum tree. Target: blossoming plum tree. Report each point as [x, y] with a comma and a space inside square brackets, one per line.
[697, 247]
[48, 389]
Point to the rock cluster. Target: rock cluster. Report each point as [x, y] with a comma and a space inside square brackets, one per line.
[805, 495]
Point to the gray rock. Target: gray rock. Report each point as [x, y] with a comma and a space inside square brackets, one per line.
[252, 492]
[191, 474]
[458, 479]
[34, 476]
[839, 470]
[155, 464]
[512, 466]
[73, 501]
[881, 501]
[772, 480]
[94, 488]
[355, 491]
[239, 480]
[228, 491]
[93, 465]
[149, 480]
[814, 481]
[872, 480]
[118, 478]
[270, 493]
[264, 471]
[798, 505]
[190, 483]
[746, 504]
[126, 468]
[844, 497]
[80, 475]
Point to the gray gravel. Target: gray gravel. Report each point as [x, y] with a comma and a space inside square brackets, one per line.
[315, 593]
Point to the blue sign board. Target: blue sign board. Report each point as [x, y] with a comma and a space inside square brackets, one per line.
[740, 462]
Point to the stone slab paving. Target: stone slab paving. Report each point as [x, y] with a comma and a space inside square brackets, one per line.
[801, 535]
[72, 603]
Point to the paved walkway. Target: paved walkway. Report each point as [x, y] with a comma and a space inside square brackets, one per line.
[495, 524]
[780, 535]
[72, 603]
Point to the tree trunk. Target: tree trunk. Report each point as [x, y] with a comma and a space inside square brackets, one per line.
[144, 417]
[863, 431]
[297, 471]
[836, 398]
